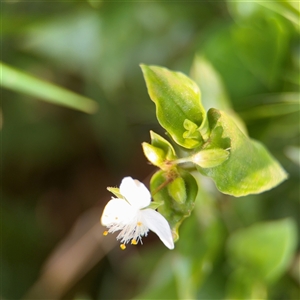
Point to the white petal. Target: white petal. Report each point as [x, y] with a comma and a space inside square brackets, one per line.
[135, 192]
[158, 224]
[117, 211]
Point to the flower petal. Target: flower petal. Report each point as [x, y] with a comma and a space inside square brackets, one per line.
[158, 224]
[135, 192]
[117, 211]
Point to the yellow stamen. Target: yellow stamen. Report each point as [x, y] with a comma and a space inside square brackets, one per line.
[139, 223]
[105, 232]
[134, 242]
[122, 246]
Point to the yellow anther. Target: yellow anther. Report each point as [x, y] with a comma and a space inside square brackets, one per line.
[122, 246]
[105, 232]
[139, 223]
[134, 242]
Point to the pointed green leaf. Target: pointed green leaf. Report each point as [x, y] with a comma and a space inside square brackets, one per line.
[177, 98]
[250, 168]
[19, 81]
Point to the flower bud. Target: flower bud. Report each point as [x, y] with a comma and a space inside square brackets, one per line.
[177, 190]
[210, 158]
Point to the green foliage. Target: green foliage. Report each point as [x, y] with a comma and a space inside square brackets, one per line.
[239, 166]
[57, 162]
[21, 82]
[264, 250]
[177, 99]
[260, 254]
[249, 169]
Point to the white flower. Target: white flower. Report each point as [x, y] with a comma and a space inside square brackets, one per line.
[131, 216]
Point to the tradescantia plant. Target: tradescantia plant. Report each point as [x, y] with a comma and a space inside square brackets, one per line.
[208, 142]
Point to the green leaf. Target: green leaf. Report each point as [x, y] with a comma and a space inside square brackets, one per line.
[173, 210]
[288, 9]
[264, 249]
[19, 81]
[250, 168]
[264, 57]
[201, 254]
[244, 285]
[272, 106]
[177, 98]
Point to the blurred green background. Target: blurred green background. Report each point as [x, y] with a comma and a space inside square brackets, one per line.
[57, 161]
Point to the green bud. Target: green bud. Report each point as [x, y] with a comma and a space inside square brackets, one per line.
[192, 131]
[155, 155]
[159, 142]
[177, 190]
[210, 158]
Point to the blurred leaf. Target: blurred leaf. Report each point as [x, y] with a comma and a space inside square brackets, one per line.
[19, 81]
[261, 43]
[293, 153]
[221, 51]
[244, 285]
[70, 40]
[183, 270]
[213, 92]
[95, 4]
[274, 105]
[201, 244]
[286, 8]
[162, 284]
[177, 98]
[264, 249]
[250, 169]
